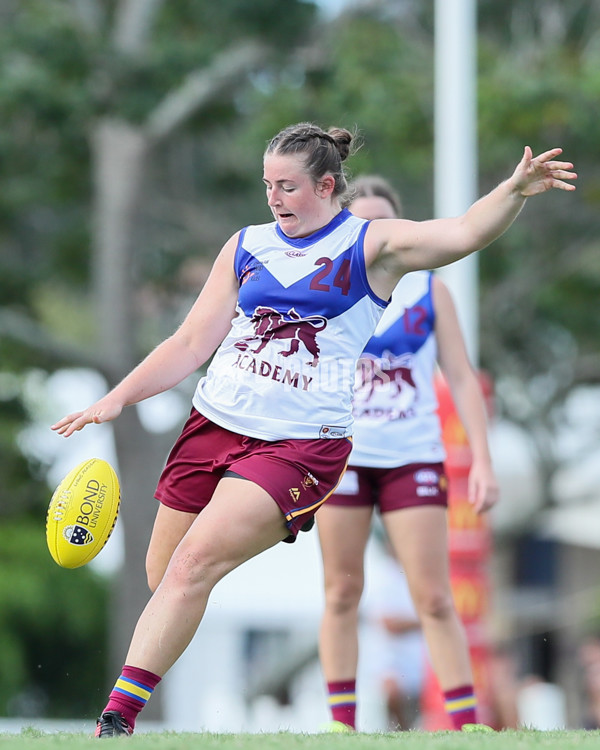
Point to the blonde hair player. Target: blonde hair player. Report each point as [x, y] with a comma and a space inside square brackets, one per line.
[287, 309]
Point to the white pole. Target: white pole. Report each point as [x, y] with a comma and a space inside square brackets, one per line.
[455, 149]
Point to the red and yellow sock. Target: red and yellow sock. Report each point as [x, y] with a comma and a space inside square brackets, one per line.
[131, 692]
[461, 705]
[342, 701]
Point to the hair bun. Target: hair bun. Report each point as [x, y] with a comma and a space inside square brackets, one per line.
[342, 139]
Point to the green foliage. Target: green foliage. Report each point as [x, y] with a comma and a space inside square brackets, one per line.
[370, 78]
[61, 73]
[540, 282]
[44, 105]
[22, 491]
[52, 627]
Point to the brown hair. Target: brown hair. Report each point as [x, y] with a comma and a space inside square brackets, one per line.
[323, 151]
[372, 185]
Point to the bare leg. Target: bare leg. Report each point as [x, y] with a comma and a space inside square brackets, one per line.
[419, 539]
[343, 534]
[241, 521]
[170, 526]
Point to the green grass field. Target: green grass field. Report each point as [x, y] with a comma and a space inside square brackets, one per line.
[33, 739]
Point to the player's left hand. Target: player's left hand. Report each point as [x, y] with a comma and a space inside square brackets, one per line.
[534, 175]
[483, 488]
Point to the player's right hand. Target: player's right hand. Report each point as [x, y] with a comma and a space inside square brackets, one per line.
[104, 410]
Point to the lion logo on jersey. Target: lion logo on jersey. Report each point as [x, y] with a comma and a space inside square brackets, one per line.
[386, 372]
[271, 325]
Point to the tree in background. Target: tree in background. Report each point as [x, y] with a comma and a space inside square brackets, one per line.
[539, 292]
[110, 112]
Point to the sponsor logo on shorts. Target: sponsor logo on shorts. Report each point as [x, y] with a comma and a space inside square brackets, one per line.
[429, 482]
[332, 431]
[426, 476]
[295, 494]
[310, 481]
[425, 491]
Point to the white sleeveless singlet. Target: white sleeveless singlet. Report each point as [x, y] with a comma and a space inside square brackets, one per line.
[395, 406]
[304, 314]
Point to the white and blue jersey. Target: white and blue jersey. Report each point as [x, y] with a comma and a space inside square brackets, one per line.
[395, 406]
[305, 311]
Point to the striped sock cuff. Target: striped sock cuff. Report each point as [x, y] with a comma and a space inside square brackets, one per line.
[460, 699]
[341, 699]
[341, 693]
[133, 689]
[136, 684]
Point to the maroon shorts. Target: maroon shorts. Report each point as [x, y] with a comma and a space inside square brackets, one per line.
[407, 486]
[298, 474]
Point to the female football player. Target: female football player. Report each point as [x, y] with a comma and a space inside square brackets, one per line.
[286, 311]
[396, 466]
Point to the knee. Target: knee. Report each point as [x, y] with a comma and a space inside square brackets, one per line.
[189, 572]
[181, 572]
[435, 604]
[342, 595]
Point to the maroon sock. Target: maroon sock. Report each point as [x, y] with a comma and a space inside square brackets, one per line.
[461, 705]
[131, 692]
[342, 701]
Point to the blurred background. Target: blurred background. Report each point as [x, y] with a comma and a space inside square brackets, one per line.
[130, 149]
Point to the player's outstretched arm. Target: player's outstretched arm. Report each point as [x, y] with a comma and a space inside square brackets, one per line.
[401, 246]
[204, 328]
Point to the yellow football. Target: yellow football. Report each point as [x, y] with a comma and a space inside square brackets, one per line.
[82, 513]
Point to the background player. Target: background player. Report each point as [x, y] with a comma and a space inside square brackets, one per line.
[396, 466]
